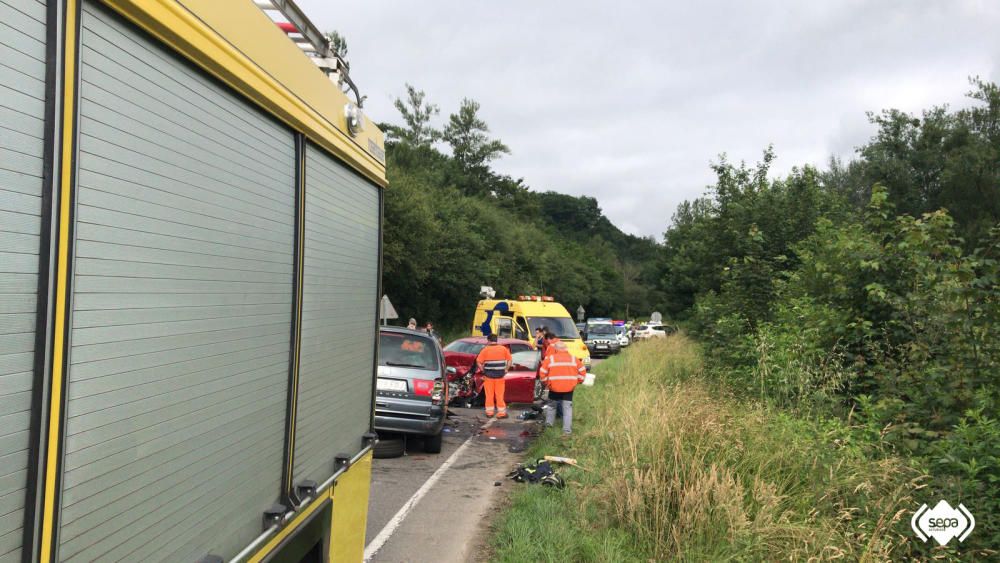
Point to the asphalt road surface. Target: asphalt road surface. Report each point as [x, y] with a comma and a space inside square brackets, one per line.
[435, 507]
[432, 507]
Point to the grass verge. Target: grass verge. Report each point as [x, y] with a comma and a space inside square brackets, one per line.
[679, 469]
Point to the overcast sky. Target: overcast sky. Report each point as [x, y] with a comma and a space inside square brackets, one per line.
[629, 102]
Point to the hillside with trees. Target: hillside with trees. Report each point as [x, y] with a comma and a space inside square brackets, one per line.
[453, 224]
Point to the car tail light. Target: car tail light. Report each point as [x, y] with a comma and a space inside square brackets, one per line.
[437, 393]
[428, 388]
[423, 387]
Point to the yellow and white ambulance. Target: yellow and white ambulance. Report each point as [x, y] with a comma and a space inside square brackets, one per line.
[518, 318]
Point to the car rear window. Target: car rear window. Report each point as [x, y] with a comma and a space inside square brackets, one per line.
[641, 327]
[407, 350]
[463, 347]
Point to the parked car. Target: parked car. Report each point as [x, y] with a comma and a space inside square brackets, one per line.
[641, 332]
[410, 393]
[602, 338]
[466, 388]
[623, 339]
[645, 332]
[521, 384]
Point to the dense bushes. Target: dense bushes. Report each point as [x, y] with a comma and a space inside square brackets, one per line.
[888, 320]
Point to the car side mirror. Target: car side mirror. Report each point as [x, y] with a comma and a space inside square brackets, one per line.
[452, 369]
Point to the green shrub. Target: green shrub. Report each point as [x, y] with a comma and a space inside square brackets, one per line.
[889, 323]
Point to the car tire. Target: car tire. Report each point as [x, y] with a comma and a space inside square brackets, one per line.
[432, 444]
[387, 448]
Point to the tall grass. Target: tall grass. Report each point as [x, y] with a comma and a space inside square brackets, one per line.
[682, 470]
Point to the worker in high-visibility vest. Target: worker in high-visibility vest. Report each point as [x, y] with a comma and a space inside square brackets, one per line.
[561, 372]
[494, 360]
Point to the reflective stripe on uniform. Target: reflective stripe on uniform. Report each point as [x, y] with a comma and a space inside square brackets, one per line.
[564, 378]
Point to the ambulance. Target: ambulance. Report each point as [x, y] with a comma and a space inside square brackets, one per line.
[518, 318]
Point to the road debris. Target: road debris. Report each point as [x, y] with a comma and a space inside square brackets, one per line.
[540, 472]
[564, 461]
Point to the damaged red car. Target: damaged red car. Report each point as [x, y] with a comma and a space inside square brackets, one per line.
[465, 388]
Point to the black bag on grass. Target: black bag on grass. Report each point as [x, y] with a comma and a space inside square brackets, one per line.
[541, 472]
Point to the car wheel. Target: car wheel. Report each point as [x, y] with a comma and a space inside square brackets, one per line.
[432, 444]
[389, 447]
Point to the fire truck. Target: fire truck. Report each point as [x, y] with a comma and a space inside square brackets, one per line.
[190, 260]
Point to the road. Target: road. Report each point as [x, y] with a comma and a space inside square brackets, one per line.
[436, 507]
[446, 520]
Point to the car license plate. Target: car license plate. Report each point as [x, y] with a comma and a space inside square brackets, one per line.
[390, 385]
[602, 346]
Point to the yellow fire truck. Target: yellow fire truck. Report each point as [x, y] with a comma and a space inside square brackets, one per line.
[190, 256]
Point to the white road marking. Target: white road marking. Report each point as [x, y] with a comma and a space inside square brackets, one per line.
[390, 527]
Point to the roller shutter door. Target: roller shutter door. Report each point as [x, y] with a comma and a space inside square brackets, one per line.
[181, 310]
[22, 111]
[338, 318]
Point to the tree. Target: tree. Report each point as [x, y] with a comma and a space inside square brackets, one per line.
[338, 44]
[468, 136]
[941, 159]
[417, 114]
[737, 238]
[453, 224]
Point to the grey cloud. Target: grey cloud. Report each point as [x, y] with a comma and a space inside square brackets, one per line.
[630, 101]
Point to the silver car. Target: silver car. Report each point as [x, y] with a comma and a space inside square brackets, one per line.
[410, 394]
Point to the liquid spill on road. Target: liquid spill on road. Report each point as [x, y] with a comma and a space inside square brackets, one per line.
[517, 435]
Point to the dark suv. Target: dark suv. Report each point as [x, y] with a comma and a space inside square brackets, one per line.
[410, 392]
[602, 339]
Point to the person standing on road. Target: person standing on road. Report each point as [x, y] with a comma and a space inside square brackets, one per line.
[561, 372]
[539, 343]
[549, 348]
[429, 327]
[494, 360]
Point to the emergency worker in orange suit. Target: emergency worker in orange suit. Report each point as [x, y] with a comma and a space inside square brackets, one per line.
[561, 372]
[494, 360]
